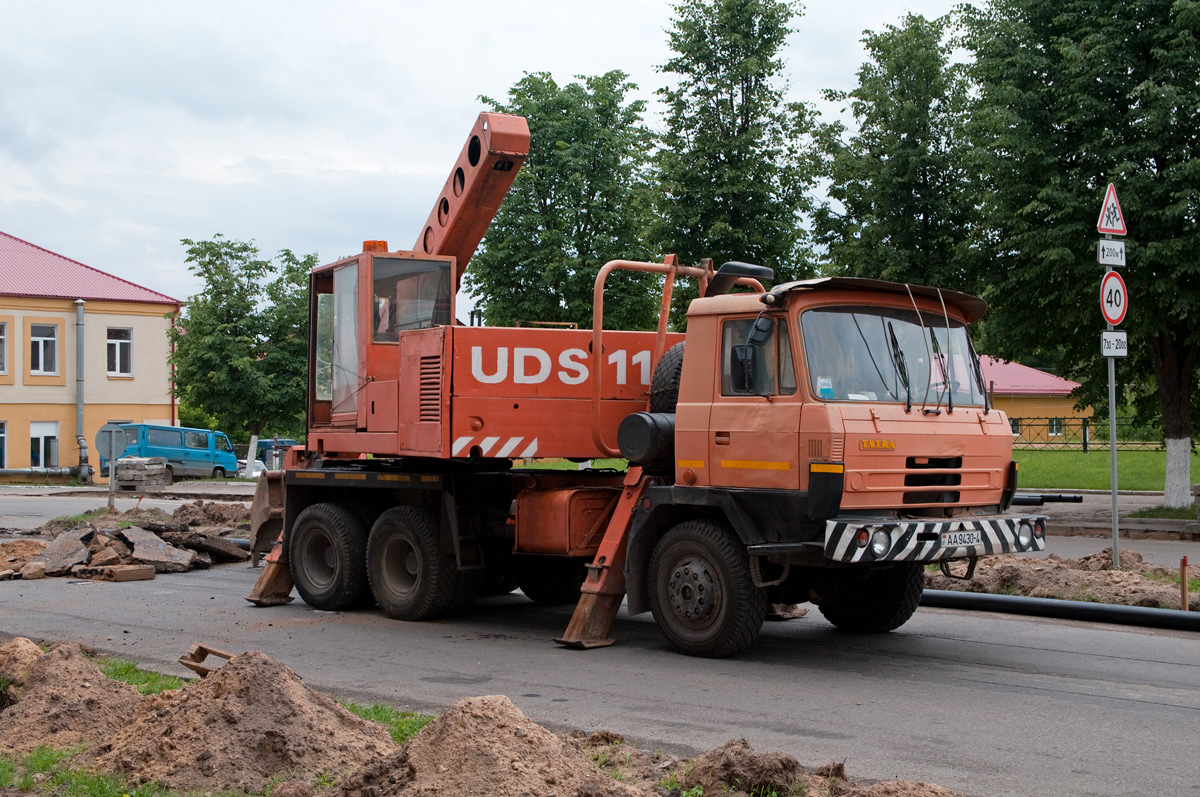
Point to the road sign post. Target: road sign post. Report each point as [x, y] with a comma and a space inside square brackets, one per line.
[111, 439]
[1114, 303]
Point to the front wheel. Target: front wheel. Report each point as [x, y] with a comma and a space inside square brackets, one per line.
[875, 601]
[327, 550]
[701, 592]
[218, 473]
[410, 576]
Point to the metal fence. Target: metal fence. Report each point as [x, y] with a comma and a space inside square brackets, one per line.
[1083, 434]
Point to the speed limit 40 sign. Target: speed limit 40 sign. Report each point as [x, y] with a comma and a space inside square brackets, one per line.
[1114, 299]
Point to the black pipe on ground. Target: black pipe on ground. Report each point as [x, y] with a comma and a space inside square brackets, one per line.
[1063, 610]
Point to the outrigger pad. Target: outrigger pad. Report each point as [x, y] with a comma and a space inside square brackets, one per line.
[274, 586]
[591, 622]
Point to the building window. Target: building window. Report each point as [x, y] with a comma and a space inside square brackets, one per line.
[120, 352]
[43, 349]
[3, 444]
[3, 348]
[43, 444]
[1015, 423]
[1056, 427]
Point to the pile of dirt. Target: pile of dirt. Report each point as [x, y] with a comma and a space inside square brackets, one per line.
[58, 699]
[484, 744]
[245, 724]
[213, 514]
[253, 721]
[1091, 578]
[15, 553]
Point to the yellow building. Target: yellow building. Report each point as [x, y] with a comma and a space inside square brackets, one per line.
[1039, 405]
[78, 348]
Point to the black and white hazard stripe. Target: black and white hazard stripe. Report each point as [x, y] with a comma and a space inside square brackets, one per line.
[929, 541]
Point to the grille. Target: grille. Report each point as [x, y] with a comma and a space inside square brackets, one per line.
[816, 449]
[839, 446]
[932, 472]
[431, 389]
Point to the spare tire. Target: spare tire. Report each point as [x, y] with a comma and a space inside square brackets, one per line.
[664, 385]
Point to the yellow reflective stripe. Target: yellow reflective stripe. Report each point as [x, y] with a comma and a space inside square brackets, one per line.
[690, 463]
[430, 478]
[358, 477]
[307, 475]
[818, 467]
[392, 477]
[748, 464]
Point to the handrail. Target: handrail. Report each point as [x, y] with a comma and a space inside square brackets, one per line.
[671, 269]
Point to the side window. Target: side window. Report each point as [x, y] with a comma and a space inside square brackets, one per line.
[3, 444]
[774, 368]
[43, 349]
[223, 444]
[3, 348]
[120, 352]
[196, 440]
[164, 437]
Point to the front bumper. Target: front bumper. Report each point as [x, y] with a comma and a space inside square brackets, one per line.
[932, 541]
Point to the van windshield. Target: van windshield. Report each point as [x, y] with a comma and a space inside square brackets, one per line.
[886, 354]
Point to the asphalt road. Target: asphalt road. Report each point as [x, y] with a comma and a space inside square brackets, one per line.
[980, 703]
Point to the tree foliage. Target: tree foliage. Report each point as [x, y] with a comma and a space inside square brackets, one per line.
[900, 204]
[1074, 95]
[240, 347]
[736, 162]
[578, 202]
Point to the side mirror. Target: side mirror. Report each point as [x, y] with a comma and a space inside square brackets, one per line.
[745, 375]
[761, 332]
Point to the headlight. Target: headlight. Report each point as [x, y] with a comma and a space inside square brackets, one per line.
[1024, 535]
[881, 541]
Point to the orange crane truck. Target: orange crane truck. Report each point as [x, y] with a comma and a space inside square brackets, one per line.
[820, 441]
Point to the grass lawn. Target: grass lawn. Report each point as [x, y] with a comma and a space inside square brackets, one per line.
[1075, 470]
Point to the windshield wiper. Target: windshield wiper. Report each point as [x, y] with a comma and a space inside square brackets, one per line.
[900, 366]
[940, 359]
[977, 367]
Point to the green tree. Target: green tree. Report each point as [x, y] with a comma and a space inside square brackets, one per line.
[901, 207]
[240, 347]
[736, 162]
[1075, 95]
[578, 202]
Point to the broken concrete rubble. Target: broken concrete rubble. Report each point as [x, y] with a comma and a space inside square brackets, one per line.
[66, 550]
[150, 549]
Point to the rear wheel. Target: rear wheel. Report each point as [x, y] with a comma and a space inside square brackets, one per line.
[701, 591]
[170, 475]
[410, 576]
[327, 550]
[549, 580]
[877, 601]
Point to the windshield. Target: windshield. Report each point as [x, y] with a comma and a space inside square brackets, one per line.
[872, 353]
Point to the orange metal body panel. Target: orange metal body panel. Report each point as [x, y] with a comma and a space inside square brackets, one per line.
[563, 521]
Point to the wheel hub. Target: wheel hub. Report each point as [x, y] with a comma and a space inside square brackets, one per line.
[692, 591]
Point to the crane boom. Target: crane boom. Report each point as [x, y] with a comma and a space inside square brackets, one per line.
[478, 183]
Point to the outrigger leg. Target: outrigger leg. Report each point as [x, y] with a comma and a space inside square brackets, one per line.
[604, 588]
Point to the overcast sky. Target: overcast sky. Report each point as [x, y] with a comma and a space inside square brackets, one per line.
[126, 126]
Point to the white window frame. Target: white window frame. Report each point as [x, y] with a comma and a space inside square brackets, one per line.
[1055, 427]
[43, 431]
[38, 343]
[3, 350]
[123, 350]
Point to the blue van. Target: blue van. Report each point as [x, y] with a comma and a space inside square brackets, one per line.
[189, 452]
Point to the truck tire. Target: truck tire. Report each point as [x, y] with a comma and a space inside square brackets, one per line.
[411, 578]
[327, 550]
[664, 385]
[701, 591]
[549, 580]
[877, 601]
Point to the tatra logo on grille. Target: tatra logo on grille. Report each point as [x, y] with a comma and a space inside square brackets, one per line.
[888, 444]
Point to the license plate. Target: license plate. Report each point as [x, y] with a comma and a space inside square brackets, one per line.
[960, 539]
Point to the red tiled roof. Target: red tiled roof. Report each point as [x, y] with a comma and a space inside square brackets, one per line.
[1013, 379]
[29, 270]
